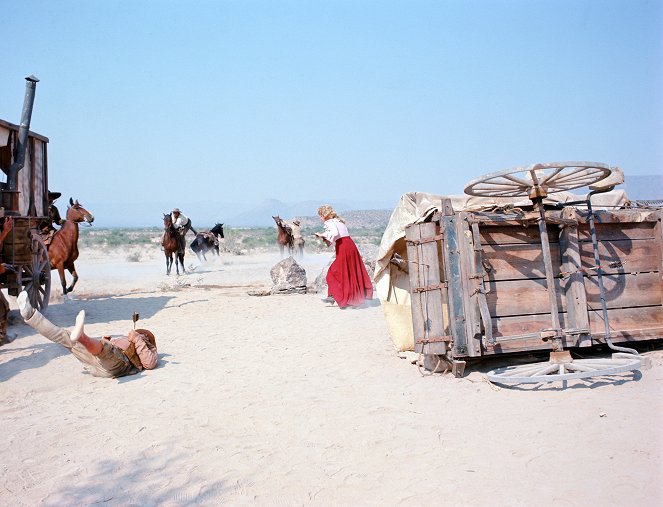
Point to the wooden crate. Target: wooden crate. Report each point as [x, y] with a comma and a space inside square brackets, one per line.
[478, 283]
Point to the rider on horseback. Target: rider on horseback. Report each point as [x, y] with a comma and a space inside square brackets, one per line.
[47, 229]
[183, 224]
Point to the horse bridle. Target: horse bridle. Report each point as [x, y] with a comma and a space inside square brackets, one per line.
[77, 208]
[170, 226]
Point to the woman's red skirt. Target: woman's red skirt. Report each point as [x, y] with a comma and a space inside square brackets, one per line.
[347, 280]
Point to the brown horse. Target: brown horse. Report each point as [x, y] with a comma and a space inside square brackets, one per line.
[63, 250]
[284, 238]
[171, 245]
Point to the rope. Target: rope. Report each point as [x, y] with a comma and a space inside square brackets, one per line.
[434, 370]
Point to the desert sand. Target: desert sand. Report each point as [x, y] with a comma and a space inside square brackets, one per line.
[282, 400]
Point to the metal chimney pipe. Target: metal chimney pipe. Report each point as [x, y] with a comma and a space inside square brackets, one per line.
[24, 128]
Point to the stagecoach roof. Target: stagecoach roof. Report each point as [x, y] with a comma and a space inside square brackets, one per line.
[13, 126]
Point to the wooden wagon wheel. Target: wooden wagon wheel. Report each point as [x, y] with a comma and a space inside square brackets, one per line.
[538, 180]
[551, 371]
[36, 276]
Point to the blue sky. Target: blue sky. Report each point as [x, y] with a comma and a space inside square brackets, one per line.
[172, 102]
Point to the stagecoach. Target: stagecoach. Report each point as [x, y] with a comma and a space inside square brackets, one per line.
[24, 197]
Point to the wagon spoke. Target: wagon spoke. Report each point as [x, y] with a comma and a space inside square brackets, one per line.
[36, 276]
[551, 176]
[556, 177]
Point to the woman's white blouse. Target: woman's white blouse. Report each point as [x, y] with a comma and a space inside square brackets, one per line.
[334, 229]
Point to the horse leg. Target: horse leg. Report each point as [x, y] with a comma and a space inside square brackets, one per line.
[182, 262]
[169, 262]
[179, 261]
[63, 280]
[72, 270]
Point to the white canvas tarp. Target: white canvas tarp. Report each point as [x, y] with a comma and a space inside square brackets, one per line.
[392, 285]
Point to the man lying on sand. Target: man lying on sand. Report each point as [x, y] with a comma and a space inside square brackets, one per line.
[107, 357]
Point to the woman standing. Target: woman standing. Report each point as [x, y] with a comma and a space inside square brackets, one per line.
[347, 280]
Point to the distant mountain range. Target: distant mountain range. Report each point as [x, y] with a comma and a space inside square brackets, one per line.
[205, 214]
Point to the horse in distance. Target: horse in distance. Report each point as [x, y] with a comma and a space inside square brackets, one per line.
[171, 245]
[206, 241]
[63, 248]
[285, 239]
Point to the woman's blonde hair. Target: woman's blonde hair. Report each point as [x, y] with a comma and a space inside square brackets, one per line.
[327, 212]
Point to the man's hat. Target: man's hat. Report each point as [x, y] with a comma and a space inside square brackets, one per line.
[177, 210]
[150, 337]
[53, 195]
[131, 353]
[296, 222]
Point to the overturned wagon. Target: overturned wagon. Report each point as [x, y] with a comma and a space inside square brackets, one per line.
[547, 275]
[24, 194]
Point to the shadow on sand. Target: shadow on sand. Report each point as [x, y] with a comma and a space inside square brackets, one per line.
[156, 475]
[98, 310]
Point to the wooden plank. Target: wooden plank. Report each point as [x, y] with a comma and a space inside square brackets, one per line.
[516, 234]
[658, 241]
[618, 231]
[622, 320]
[623, 216]
[517, 261]
[416, 275]
[32, 207]
[635, 255]
[516, 219]
[632, 335]
[40, 190]
[427, 306]
[524, 297]
[523, 343]
[625, 290]
[456, 296]
[520, 343]
[470, 285]
[523, 261]
[480, 296]
[573, 286]
[524, 324]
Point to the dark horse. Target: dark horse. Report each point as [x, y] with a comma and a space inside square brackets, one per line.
[63, 249]
[206, 241]
[171, 245]
[285, 238]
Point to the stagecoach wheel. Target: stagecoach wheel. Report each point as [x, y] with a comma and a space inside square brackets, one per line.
[36, 277]
[538, 179]
[551, 371]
